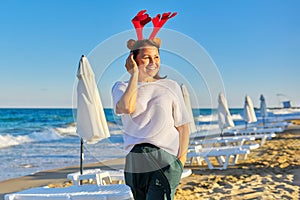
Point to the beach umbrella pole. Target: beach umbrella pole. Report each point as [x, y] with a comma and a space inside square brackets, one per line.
[81, 155]
[222, 133]
[81, 158]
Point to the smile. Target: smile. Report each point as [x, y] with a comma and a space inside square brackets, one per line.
[151, 68]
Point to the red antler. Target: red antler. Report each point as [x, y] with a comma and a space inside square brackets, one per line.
[139, 21]
[159, 22]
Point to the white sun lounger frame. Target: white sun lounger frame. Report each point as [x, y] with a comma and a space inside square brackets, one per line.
[222, 154]
[100, 176]
[76, 192]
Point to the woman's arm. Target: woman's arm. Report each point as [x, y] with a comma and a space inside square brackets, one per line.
[127, 103]
[184, 139]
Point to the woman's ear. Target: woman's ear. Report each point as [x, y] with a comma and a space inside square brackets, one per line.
[130, 44]
[157, 41]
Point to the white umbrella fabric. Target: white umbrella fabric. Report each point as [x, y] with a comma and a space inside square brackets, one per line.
[263, 108]
[224, 117]
[249, 113]
[186, 97]
[91, 122]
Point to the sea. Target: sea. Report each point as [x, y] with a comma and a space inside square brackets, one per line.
[38, 139]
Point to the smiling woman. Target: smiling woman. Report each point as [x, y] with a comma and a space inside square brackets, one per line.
[154, 118]
[148, 60]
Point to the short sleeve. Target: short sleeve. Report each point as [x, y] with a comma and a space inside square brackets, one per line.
[180, 113]
[117, 92]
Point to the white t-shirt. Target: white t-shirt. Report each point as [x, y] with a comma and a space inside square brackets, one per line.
[159, 109]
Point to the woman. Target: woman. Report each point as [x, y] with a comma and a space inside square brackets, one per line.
[155, 126]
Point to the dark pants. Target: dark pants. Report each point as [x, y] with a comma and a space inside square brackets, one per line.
[152, 173]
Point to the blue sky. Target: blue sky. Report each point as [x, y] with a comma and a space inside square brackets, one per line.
[254, 44]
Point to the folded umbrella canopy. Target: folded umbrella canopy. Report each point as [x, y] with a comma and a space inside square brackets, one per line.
[186, 97]
[224, 116]
[263, 108]
[249, 113]
[91, 122]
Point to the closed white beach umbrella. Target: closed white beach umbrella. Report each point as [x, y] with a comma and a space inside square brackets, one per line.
[263, 106]
[91, 121]
[186, 97]
[224, 116]
[249, 113]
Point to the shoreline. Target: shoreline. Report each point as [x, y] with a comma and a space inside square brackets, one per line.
[269, 172]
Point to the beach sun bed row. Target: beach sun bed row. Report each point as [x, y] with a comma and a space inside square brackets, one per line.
[103, 177]
[227, 147]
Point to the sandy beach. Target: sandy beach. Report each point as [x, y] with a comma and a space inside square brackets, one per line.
[269, 172]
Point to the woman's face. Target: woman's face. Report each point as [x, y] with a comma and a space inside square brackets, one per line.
[148, 61]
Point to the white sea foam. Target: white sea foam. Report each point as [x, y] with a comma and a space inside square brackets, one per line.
[67, 131]
[47, 135]
[10, 140]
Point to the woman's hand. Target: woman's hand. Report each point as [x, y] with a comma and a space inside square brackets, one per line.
[184, 139]
[182, 159]
[131, 65]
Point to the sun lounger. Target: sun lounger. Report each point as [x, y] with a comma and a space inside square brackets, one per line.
[76, 192]
[222, 154]
[262, 134]
[276, 124]
[229, 141]
[221, 141]
[258, 130]
[101, 177]
[98, 175]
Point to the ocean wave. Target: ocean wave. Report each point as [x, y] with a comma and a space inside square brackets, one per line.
[10, 140]
[67, 131]
[70, 130]
[47, 135]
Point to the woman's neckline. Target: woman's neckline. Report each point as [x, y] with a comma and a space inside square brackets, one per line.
[145, 82]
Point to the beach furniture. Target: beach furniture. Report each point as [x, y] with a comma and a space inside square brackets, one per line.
[218, 147]
[251, 119]
[101, 177]
[222, 154]
[76, 192]
[261, 134]
[186, 97]
[223, 141]
[91, 124]
[270, 124]
[213, 146]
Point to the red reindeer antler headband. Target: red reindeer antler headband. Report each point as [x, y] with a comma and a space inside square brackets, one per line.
[142, 18]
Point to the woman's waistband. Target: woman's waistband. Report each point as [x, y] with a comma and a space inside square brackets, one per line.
[144, 146]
